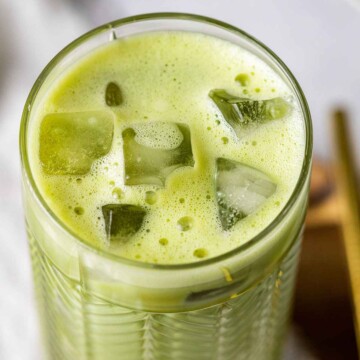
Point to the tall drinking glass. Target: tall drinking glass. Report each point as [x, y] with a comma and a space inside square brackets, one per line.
[95, 305]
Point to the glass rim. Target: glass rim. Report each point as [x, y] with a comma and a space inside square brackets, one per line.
[301, 182]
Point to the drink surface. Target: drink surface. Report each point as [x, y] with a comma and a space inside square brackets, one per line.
[167, 147]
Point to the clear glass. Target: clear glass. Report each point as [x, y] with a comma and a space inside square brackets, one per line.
[94, 305]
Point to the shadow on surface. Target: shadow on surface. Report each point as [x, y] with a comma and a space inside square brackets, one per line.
[322, 303]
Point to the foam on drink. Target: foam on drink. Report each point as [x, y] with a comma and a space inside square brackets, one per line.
[164, 79]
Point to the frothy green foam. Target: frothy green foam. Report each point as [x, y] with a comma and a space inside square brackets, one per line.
[165, 78]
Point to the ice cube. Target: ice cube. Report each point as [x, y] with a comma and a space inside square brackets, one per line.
[71, 142]
[239, 112]
[240, 190]
[122, 221]
[113, 95]
[151, 164]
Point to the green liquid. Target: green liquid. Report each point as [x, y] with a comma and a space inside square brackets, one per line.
[94, 307]
[166, 78]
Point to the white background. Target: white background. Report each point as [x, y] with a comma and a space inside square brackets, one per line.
[317, 39]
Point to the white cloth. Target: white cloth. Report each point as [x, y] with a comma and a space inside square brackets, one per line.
[317, 39]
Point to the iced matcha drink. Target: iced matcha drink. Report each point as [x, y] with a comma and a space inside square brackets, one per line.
[166, 164]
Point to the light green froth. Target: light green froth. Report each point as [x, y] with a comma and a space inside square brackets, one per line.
[166, 77]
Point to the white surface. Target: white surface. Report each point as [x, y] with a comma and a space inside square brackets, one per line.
[317, 39]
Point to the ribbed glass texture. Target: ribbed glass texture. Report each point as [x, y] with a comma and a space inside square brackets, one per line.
[95, 306]
[77, 325]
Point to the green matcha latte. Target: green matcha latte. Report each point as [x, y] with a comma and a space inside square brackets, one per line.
[163, 80]
[166, 166]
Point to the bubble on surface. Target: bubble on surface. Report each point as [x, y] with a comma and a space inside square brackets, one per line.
[163, 241]
[225, 140]
[185, 223]
[117, 193]
[243, 79]
[151, 197]
[79, 210]
[200, 253]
